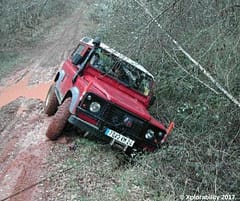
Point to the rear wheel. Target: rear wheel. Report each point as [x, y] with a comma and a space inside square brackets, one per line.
[59, 120]
[51, 102]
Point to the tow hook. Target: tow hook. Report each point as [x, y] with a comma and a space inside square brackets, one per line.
[168, 131]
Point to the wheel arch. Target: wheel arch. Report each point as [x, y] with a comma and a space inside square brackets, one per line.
[73, 93]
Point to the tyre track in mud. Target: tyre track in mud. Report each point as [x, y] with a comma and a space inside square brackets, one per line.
[24, 148]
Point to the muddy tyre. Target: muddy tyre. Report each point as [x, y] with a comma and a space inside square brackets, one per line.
[51, 102]
[59, 120]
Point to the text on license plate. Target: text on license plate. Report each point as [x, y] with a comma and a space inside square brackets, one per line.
[120, 138]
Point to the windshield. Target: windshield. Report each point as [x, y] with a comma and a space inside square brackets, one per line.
[122, 71]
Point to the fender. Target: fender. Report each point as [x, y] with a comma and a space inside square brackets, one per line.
[58, 78]
[75, 94]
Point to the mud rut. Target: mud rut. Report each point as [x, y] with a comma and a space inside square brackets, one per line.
[23, 145]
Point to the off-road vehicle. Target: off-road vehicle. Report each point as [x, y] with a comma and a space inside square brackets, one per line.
[107, 94]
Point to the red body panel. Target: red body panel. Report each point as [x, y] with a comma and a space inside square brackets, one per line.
[66, 82]
[117, 93]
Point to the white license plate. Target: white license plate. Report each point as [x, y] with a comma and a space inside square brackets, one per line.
[120, 138]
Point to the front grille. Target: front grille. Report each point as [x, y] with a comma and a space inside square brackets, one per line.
[115, 116]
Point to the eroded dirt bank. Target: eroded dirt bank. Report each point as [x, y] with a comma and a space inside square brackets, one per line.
[23, 146]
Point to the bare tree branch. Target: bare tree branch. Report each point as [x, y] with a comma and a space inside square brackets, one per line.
[205, 72]
[196, 78]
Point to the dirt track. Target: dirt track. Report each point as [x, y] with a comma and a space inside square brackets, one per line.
[24, 147]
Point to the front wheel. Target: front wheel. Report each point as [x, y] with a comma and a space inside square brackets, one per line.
[59, 120]
[51, 102]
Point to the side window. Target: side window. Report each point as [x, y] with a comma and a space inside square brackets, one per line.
[78, 50]
[78, 55]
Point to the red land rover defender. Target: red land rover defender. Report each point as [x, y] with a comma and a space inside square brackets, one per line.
[105, 93]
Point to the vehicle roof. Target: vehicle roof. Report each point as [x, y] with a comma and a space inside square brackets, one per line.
[89, 41]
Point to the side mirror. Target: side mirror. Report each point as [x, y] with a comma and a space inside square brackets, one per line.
[152, 100]
[76, 59]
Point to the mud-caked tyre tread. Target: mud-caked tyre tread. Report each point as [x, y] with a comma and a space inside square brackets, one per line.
[59, 120]
[51, 102]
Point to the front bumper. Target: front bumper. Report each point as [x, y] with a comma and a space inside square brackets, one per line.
[84, 125]
[100, 134]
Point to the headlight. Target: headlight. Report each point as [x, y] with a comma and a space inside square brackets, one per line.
[160, 134]
[89, 97]
[149, 134]
[95, 107]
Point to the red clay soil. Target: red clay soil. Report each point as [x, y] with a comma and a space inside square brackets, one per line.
[24, 148]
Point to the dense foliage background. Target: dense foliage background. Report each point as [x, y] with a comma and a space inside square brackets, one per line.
[203, 152]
